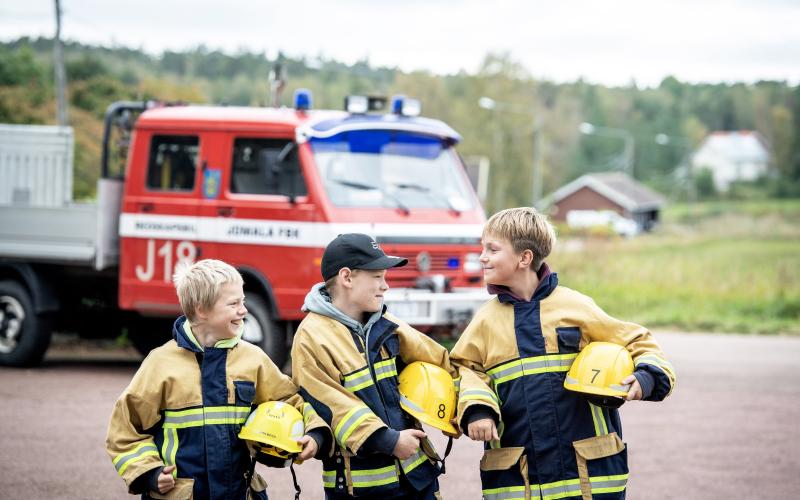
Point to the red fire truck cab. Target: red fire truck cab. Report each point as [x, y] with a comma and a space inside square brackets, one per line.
[266, 189]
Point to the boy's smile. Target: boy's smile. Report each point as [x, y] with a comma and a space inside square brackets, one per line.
[499, 261]
[226, 318]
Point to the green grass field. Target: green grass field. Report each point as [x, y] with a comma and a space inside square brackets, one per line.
[728, 267]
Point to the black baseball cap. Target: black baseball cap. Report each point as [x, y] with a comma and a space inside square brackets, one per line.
[356, 251]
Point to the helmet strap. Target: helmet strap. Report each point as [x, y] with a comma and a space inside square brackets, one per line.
[447, 452]
[294, 480]
[250, 473]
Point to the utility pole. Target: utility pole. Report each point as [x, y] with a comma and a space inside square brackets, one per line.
[58, 63]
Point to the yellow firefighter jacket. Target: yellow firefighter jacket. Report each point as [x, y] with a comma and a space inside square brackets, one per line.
[513, 358]
[352, 383]
[185, 407]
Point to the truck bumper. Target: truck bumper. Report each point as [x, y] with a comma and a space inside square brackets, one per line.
[424, 307]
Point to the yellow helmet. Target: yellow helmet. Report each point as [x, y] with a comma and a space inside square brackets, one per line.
[428, 393]
[598, 372]
[273, 429]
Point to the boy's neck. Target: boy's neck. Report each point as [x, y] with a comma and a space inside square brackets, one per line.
[205, 336]
[525, 285]
[348, 309]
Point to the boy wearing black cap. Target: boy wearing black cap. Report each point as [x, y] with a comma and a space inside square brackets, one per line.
[346, 356]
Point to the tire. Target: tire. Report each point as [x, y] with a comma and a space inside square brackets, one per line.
[148, 333]
[260, 329]
[24, 335]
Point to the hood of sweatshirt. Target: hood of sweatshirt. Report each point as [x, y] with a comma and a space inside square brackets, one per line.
[319, 301]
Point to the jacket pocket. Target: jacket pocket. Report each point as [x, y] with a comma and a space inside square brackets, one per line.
[602, 464]
[504, 473]
[245, 392]
[569, 339]
[183, 490]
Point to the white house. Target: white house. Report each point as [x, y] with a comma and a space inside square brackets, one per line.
[732, 156]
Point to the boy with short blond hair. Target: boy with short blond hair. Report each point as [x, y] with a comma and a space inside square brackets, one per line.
[173, 431]
[542, 440]
[346, 357]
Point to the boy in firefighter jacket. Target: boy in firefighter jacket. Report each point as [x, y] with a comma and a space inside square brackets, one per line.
[173, 431]
[346, 357]
[542, 441]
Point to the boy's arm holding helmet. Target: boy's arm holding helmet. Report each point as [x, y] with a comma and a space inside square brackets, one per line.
[655, 374]
[274, 385]
[477, 402]
[319, 380]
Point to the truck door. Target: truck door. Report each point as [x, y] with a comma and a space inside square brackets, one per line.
[159, 226]
[264, 216]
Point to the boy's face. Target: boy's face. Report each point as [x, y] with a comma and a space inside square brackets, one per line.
[367, 289]
[499, 260]
[226, 317]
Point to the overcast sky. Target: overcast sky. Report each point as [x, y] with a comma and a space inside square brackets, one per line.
[609, 42]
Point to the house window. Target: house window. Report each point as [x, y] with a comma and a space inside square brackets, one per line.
[266, 166]
[172, 163]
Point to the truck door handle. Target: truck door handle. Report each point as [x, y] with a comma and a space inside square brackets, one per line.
[224, 211]
[146, 207]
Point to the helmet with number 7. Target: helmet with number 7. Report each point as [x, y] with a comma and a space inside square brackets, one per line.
[598, 372]
[428, 393]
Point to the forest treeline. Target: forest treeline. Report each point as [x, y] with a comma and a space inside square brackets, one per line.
[687, 112]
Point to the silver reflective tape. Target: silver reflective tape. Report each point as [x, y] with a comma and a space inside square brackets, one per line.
[344, 427]
[404, 400]
[366, 476]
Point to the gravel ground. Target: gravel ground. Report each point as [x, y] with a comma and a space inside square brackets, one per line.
[730, 430]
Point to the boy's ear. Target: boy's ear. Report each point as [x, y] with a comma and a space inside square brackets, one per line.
[345, 277]
[526, 259]
[200, 313]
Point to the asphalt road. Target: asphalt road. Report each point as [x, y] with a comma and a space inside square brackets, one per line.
[730, 430]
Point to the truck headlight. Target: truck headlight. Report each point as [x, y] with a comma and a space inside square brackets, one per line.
[472, 263]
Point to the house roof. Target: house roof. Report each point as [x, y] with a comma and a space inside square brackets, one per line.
[618, 187]
[736, 146]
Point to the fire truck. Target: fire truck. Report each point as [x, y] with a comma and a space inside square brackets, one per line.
[264, 189]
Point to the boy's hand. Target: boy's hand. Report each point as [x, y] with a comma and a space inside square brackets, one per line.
[635, 392]
[310, 447]
[482, 430]
[408, 443]
[165, 480]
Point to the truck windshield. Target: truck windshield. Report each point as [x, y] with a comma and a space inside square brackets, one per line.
[380, 168]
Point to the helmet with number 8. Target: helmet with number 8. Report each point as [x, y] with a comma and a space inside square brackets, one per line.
[428, 393]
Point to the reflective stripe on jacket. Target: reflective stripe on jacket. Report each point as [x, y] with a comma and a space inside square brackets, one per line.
[185, 407]
[352, 384]
[513, 358]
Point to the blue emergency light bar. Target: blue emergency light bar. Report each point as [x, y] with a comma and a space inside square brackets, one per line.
[404, 106]
[302, 99]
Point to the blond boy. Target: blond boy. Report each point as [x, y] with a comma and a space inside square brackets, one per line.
[542, 440]
[173, 431]
[346, 357]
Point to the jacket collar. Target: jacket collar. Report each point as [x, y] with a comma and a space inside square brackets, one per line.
[184, 337]
[548, 280]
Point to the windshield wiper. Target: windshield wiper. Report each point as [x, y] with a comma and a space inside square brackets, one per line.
[427, 191]
[369, 187]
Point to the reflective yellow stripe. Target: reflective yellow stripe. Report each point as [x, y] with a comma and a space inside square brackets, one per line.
[358, 380]
[308, 413]
[385, 369]
[531, 366]
[599, 420]
[608, 484]
[210, 415]
[560, 489]
[478, 395]
[169, 449]
[350, 422]
[328, 479]
[656, 360]
[123, 460]
[507, 493]
[367, 478]
[414, 461]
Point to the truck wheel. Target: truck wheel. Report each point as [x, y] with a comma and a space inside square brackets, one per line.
[260, 329]
[24, 335]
